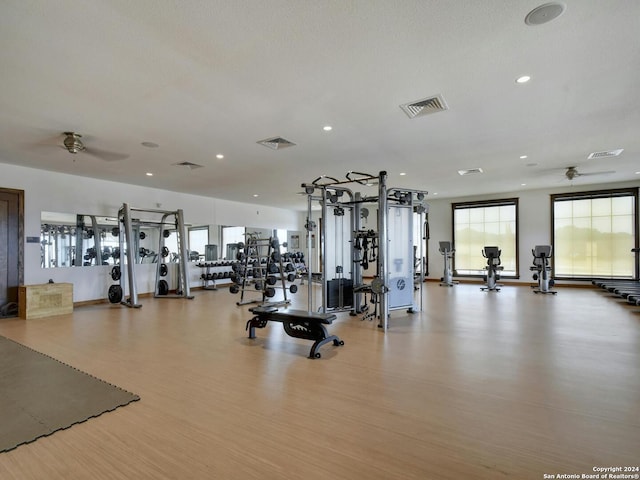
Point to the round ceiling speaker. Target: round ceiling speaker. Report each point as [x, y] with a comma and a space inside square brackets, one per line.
[544, 13]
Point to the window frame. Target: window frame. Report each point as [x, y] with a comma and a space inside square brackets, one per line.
[605, 193]
[514, 201]
[199, 228]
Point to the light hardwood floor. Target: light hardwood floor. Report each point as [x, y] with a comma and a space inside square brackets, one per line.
[478, 386]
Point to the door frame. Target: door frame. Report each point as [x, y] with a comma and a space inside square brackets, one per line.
[20, 233]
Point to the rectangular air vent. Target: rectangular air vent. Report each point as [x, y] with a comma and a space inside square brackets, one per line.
[276, 143]
[610, 153]
[470, 171]
[425, 106]
[189, 165]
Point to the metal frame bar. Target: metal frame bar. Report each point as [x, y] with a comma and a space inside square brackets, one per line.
[126, 235]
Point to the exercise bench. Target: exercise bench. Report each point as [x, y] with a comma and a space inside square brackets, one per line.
[296, 323]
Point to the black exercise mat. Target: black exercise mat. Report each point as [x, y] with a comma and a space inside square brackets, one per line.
[40, 395]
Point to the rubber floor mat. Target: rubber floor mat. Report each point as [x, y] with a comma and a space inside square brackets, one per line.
[40, 395]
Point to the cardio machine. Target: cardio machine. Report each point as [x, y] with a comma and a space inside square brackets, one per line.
[542, 269]
[447, 254]
[492, 254]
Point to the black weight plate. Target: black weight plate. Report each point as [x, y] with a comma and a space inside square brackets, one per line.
[271, 280]
[293, 288]
[142, 235]
[164, 269]
[234, 289]
[116, 273]
[166, 233]
[270, 292]
[115, 294]
[291, 277]
[163, 287]
[165, 252]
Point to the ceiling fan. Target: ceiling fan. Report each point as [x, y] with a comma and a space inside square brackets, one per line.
[73, 144]
[572, 172]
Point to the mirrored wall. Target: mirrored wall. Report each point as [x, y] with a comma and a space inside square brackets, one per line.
[81, 240]
[84, 240]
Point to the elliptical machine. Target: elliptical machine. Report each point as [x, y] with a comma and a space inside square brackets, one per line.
[492, 254]
[447, 253]
[542, 269]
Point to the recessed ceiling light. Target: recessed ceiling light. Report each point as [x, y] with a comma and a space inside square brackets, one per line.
[149, 174]
[149, 144]
[523, 184]
[219, 156]
[402, 174]
[255, 195]
[637, 173]
[522, 157]
[523, 79]
[434, 193]
[327, 128]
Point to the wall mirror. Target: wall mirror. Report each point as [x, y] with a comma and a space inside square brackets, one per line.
[82, 240]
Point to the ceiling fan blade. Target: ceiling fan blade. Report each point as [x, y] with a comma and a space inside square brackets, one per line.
[596, 173]
[105, 155]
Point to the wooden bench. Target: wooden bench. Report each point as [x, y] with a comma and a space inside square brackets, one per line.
[296, 323]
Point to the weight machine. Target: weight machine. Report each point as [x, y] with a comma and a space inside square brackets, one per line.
[346, 249]
[542, 269]
[126, 237]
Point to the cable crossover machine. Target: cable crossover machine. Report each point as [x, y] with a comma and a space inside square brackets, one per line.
[348, 247]
[167, 220]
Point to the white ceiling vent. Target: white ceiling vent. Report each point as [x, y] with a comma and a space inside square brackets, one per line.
[189, 165]
[470, 171]
[610, 153]
[425, 106]
[276, 143]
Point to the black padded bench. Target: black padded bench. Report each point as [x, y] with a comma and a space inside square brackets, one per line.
[298, 324]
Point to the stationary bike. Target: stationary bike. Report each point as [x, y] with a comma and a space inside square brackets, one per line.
[541, 256]
[447, 253]
[492, 254]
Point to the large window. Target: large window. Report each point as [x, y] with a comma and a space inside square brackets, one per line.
[593, 234]
[198, 238]
[480, 224]
[230, 237]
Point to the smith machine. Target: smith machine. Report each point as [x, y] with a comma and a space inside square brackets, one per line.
[347, 247]
[167, 220]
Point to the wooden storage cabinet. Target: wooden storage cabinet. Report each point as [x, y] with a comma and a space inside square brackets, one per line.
[45, 300]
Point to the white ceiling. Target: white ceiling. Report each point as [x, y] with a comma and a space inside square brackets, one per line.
[202, 77]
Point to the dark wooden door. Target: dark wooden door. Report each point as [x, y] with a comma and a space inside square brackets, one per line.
[11, 218]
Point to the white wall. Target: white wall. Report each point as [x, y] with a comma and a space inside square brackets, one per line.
[534, 226]
[47, 191]
[54, 192]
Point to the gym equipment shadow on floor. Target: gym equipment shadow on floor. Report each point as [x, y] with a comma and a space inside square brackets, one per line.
[40, 395]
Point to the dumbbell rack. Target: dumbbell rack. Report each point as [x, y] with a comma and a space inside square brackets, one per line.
[214, 271]
[260, 261]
